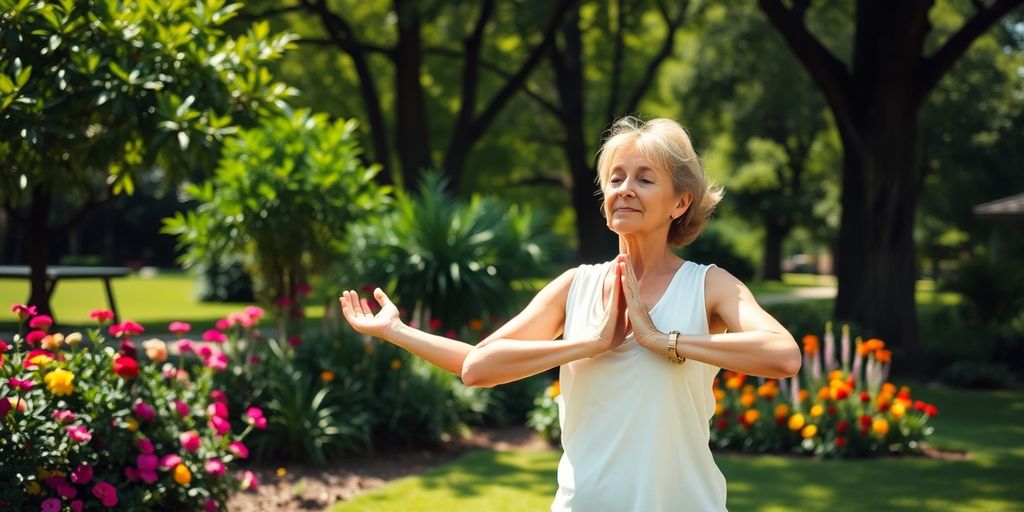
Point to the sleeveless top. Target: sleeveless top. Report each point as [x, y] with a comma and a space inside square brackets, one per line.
[635, 426]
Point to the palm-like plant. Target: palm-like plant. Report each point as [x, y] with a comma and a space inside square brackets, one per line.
[450, 260]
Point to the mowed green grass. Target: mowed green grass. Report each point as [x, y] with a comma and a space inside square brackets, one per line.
[989, 425]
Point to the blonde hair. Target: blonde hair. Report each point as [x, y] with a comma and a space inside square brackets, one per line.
[667, 145]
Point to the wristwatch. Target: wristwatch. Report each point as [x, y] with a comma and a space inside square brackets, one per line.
[672, 354]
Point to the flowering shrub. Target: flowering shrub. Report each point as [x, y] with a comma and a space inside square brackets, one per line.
[843, 408]
[544, 416]
[84, 426]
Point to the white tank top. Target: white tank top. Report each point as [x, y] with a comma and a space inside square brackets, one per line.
[635, 426]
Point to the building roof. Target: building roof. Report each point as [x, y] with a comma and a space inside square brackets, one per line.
[1007, 208]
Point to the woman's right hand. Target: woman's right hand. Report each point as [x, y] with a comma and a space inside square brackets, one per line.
[359, 315]
[612, 331]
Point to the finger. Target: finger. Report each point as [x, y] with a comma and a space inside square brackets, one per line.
[382, 298]
[343, 301]
[366, 307]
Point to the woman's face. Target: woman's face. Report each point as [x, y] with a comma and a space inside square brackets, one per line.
[639, 197]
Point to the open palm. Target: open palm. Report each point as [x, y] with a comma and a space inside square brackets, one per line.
[359, 315]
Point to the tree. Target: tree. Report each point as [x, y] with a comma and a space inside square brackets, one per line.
[876, 98]
[93, 94]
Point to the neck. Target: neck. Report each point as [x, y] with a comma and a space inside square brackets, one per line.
[648, 254]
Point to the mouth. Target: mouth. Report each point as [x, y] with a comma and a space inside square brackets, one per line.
[625, 209]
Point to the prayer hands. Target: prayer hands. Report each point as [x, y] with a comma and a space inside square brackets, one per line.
[359, 315]
[612, 332]
[646, 334]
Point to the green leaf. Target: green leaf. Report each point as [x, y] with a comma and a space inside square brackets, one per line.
[6, 85]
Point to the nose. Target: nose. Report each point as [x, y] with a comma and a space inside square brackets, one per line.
[626, 188]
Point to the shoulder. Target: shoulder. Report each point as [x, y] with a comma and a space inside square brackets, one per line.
[719, 284]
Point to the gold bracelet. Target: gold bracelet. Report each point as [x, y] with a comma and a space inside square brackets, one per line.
[672, 354]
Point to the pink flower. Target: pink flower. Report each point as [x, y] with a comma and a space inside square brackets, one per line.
[50, 505]
[79, 433]
[239, 319]
[82, 474]
[254, 312]
[222, 324]
[211, 505]
[179, 328]
[21, 384]
[4, 347]
[215, 336]
[64, 416]
[66, 490]
[249, 480]
[239, 449]
[23, 311]
[215, 467]
[144, 411]
[56, 481]
[102, 315]
[220, 425]
[131, 473]
[254, 415]
[182, 408]
[145, 445]
[170, 460]
[185, 346]
[77, 506]
[189, 441]
[147, 475]
[106, 493]
[218, 395]
[5, 407]
[34, 337]
[218, 409]
[255, 359]
[125, 329]
[41, 322]
[218, 361]
[294, 341]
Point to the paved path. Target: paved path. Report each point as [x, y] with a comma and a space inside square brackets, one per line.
[798, 294]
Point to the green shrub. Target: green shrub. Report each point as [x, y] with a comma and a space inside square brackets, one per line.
[713, 246]
[544, 416]
[971, 374]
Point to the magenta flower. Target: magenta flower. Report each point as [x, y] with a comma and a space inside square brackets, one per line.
[255, 359]
[102, 315]
[211, 505]
[285, 302]
[218, 395]
[303, 289]
[82, 474]
[239, 449]
[222, 324]
[106, 493]
[179, 328]
[204, 351]
[67, 490]
[24, 311]
[79, 433]
[145, 445]
[50, 505]
[144, 411]
[131, 473]
[215, 467]
[4, 347]
[217, 409]
[170, 460]
[215, 336]
[249, 480]
[218, 361]
[34, 337]
[254, 312]
[146, 461]
[294, 341]
[185, 346]
[189, 441]
[254, 415]
[55, 481]
[41, 322]
[21, 384]
[125, 329]
[5, 407]
[220, 425]
[182, 408]
[239, 319]
[77, 506]
[64, 416]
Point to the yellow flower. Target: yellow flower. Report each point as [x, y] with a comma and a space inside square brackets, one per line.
[880, 426]
[796, 421]
[131, 424]
[809, 431]
[898, 410]
[835, 375]
[327, 376]
[182, 475]
[554, 389]
[281, 472]
[751, 416]
[40, 360]
[73, 339]
[396, 364]
[59, 382]
[817, 410]
[747, 399]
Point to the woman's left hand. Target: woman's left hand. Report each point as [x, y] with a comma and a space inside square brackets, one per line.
[644, 331]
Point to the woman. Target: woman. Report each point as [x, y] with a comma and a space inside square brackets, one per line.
[642, 337]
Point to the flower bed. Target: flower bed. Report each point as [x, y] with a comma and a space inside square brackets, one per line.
[85, 426]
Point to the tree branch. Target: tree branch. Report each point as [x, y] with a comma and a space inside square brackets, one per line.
[365, 47]
[936, 65]
[277, 11]
[671, 25]
[617, 51]
[497, 70]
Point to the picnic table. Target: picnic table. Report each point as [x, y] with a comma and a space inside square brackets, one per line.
[55, 273]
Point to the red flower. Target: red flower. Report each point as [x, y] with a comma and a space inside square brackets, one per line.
[884, 406]
[722, 424]
[435, 324]
[931, 410]
[865, 396]
[294, 341]
[126, 328]
[102, 315]
[842, 426]
[179, 328]
[832, 410]
[34, 337]
[24, 311]
[920, 406]
[840, 442]
[126, 367]
[41, 322]
[865, 420]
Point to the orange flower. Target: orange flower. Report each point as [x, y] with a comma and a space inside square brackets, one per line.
[889, 388]
[898, 410]
[862, 348]
[880, 427]
[883, 356]
[747, 399]
[824, 393]
[835, 375]
[874, 344]
[817, 410]
[803, 395]
[182, 475]
[751, 416]
[809, 431]
[796, 421]
[719, 408]
[554, 389]
[810, 344]
[476, 324]
[768, 390]
[781, 410]
[719, 394]
[734, 382]
[327, 376]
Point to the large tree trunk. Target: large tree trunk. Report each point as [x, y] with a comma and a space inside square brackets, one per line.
[39, 253]
[774, 234]
[412, 139]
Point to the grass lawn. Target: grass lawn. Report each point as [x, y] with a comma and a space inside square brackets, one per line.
[989, 425]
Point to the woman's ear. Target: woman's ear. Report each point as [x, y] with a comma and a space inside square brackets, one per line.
[683, 204]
